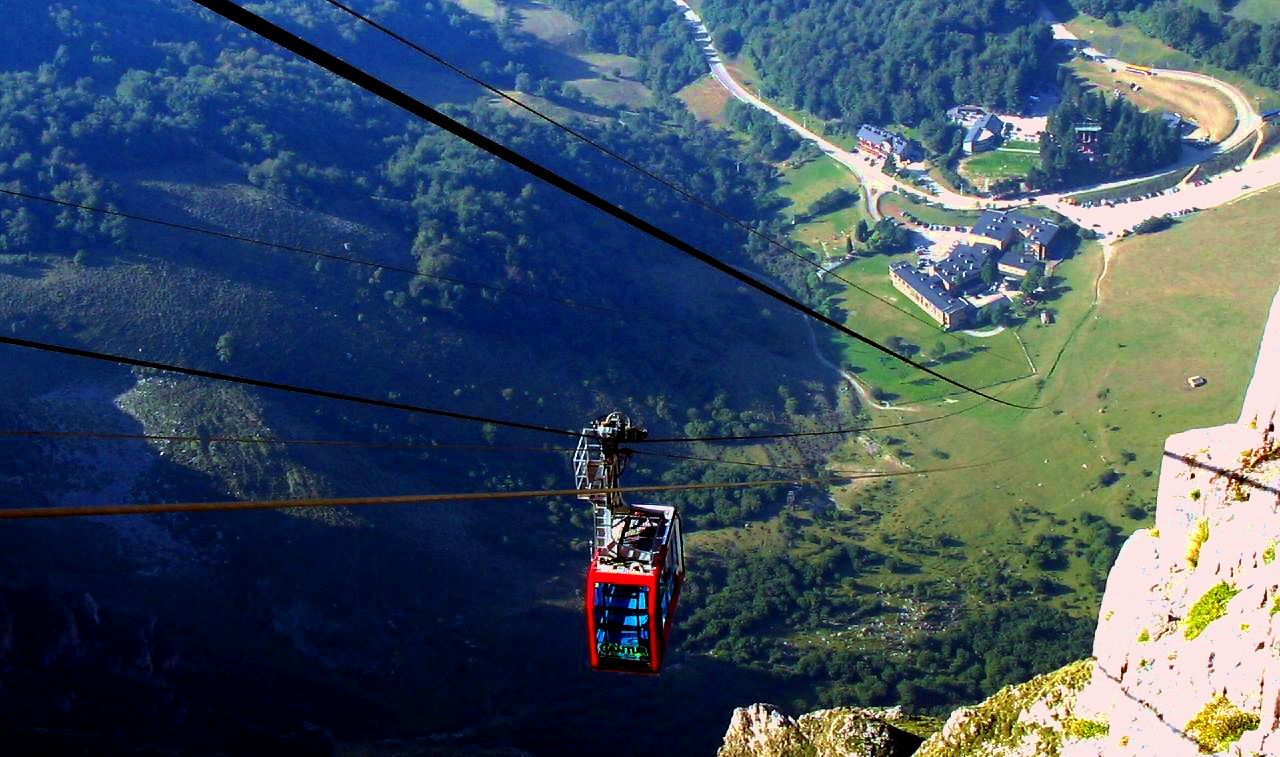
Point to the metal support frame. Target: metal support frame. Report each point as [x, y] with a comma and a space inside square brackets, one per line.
[598, 463]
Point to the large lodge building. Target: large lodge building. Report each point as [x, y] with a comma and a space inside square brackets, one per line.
[943, 290]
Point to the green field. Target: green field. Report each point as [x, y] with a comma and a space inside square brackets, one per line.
[973, 360]
[487, 9]
[1118, 390]
[807, 183]
[1259, 11]
[999, 164]
[551, 25]
[1111, 387]
[1128, 43]
[894, 203]
[812, 180]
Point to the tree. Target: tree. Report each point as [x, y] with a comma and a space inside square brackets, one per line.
[837, 199]
[1032, 280]
[990, 271]
[226, 347]
[729, 41]
[888, 237]
[862, 231]
[20, 230]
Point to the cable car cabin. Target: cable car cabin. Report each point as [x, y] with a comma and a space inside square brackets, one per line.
[633, 586]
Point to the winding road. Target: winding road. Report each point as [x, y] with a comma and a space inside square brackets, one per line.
[1110, 221]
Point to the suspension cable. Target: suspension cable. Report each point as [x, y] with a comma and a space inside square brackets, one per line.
[345, 444]
[341, 443]
[120, 436]
[280, 386]
[801, 434]
[294, 249]
[35, 513]
[803, 466]
[615, 155]
[289, 41]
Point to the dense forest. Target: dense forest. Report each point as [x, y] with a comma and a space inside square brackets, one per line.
[241, 104]
[1129, 142]
[900, 62]
[1208, 33]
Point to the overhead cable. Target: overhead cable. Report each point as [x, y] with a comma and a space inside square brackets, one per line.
[266, 441]
[615, 155]
[289, 41]
[279, 386]
[35, 513]
[299, 250]
[802, 434]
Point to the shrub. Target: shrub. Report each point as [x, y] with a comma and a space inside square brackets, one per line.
[1220, 724]
[1152, 225]
[1144, 637]
[1269, 554]
[1078, 728]
[1195, 541]
[1210, 607]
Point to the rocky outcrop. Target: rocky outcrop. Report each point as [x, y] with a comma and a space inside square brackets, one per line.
[762, 730]
[1188, 642]
[1028, 719]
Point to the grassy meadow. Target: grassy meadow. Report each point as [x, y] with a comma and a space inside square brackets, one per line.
[1111, 380]
[896, 203]
[804, 184]
[1001, 163]
[1110, 388]
[1206, 106]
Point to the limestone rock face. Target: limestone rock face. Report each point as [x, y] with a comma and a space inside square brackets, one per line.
[1027, 719]
[1189, 611]
[763, 730]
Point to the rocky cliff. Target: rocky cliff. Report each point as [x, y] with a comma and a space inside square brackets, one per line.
[1186, 656]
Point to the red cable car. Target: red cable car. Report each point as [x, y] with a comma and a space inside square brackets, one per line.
[637, 558]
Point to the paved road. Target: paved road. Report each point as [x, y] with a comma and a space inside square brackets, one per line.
[1247, 119]
[1255, 176]
[871, 177]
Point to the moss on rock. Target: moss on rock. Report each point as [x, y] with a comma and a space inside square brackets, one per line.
[1003, 720]
[1210, 607]
[1220, 724]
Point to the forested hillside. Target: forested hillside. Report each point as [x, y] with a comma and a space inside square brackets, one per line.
[459, 627]
[1129, 142]
[900, 62]
[192, 122]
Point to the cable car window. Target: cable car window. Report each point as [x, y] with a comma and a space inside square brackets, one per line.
[622, 623]
[664, 590]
